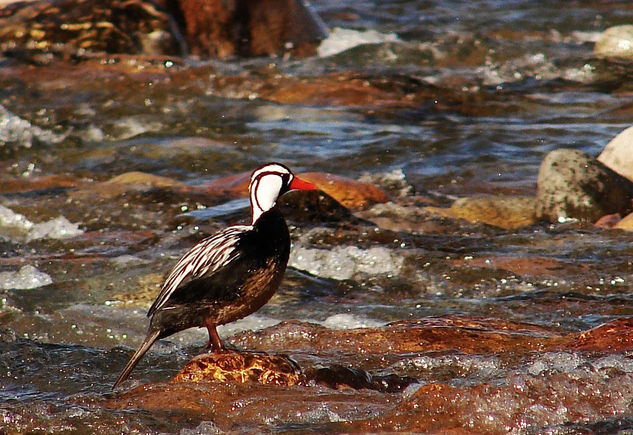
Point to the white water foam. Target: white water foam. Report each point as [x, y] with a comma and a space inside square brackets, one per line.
[58, 228]
[345, 262]
[340, 40]
[9, 218]
[27, 277]
[14, 129]
[350, 321]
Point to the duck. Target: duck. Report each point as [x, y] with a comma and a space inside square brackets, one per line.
[230, 274]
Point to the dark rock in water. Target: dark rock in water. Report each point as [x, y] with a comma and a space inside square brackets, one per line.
[572, 184]
[618, 154]
[339, 377]
[211, 28]
[316, 207]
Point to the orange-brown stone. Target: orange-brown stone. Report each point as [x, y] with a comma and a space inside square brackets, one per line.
[503, 211]
[241, 368]
[355, 195]
[614, 336]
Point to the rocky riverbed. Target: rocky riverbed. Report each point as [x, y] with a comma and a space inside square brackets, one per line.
[440, 280]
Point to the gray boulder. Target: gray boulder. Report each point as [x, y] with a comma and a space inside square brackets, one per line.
[572, 184]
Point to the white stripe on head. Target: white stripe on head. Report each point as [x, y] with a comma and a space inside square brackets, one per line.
[267, 183]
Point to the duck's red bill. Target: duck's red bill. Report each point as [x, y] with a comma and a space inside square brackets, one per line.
[299, 184]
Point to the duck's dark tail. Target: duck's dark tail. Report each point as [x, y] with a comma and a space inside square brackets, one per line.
[152, 336]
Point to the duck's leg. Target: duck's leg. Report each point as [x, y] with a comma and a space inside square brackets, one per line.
[214, 339]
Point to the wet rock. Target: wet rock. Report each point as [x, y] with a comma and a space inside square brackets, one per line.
[317, 207]
[352, 90]
[574, 185]
[616, 41]
[355, 195]
[221, 29]
[608, 221]
[469, 335]
[618, 154]
[533, 266]
[241, 367]
[211, 28]
[338, 377]
[72, 26]
[143, 180]
[504, 211]
[614, 336]
[557, 384]
[521, 401]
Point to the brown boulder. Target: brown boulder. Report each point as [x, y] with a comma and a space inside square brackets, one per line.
[503, 211]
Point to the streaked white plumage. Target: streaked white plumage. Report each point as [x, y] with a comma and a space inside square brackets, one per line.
[206, 257]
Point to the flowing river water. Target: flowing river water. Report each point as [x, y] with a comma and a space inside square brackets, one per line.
[430, 101]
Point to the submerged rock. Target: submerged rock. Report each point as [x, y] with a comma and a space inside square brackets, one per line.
[618, 154]
[533, 376]
[503, 211]
[616, 41]
[126, 182]
[574, 185]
